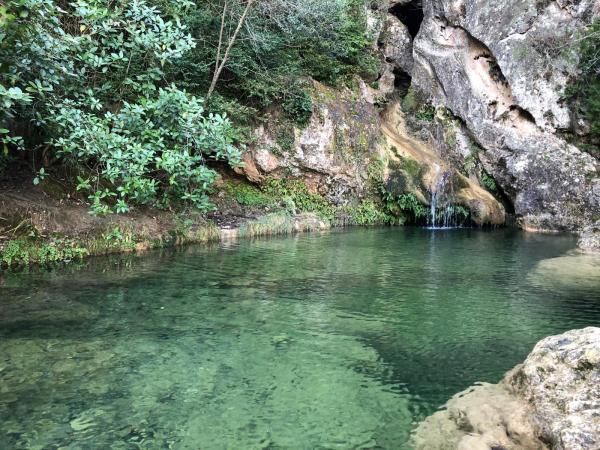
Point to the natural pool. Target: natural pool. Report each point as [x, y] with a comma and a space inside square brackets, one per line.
[340, 340]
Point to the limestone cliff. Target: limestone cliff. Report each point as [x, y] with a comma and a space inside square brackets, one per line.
[493, 76]
[500, 69]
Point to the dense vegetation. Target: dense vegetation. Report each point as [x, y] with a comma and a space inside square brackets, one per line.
[586, 90]
[115, 93]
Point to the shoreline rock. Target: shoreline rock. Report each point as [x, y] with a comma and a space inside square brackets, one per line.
[551, 401]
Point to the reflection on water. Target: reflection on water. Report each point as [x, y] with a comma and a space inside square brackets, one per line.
[343, 340]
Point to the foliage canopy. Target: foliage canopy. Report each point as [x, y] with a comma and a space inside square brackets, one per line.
[115, 89]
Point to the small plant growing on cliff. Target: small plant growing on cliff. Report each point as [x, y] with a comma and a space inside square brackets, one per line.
[415, 103]
[297, 193]
[410, 204]
[585, 91]
[247, 195]
[15, 251]
[298, 106]
[366, 213]
[489, 183]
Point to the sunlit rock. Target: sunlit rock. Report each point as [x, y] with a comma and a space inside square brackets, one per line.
[551, 401]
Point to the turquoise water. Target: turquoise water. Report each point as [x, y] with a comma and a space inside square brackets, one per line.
[341, 340]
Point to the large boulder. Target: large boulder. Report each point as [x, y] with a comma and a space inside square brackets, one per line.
[397, 44]
[551, 401]
[561, 381]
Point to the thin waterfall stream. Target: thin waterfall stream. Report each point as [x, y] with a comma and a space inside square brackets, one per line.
[443, 213]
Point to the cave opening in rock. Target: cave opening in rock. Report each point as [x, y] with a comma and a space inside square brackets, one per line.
[410, 14]
[402, 81]
[523, 113]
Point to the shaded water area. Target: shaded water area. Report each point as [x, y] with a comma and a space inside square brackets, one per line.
[341, 340]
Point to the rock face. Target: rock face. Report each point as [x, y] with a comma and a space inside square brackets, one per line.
[413, 166]
[397, 48]
[332, 153]
[497, 67]
[347, 140]
[589, 240]
[484, 417]
[551, 401]
[561, 380]
[496, 73]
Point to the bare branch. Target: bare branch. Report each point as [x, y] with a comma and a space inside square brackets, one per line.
[220, 65]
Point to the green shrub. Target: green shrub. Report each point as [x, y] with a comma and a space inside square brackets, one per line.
[248, 195]
[409, 204]
[96, 92]
[296, 195]
[489, 183]
[150, 152]
[15, 251]
[426, 113]
[365, 214]
[415, 103]
[299, 107]
[24, 252]
[585, 91]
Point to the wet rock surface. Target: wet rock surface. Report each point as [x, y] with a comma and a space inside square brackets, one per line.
[551, 401]
[492, 65]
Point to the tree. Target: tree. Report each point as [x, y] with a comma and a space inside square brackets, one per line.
[88, 84]
[220, 61]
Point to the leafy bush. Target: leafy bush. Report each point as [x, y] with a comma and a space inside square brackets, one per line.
[406, 205]
[585, 91]
[248, 195]
[297, 197]
[489, 183]
[409, 203]
[150, 152]
[23, 251]
[90, 78]
[299, 107]
[366, 213]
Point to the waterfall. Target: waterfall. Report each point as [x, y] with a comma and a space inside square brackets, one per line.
[442, 213]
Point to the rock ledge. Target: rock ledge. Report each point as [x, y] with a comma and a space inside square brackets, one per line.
[551, 401]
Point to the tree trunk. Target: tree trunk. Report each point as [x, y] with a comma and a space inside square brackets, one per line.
[220, 65]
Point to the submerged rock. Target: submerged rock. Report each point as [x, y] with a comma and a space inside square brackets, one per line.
[574, 270]
[551, 401]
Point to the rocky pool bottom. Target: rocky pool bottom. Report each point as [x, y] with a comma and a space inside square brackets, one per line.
[347, 339]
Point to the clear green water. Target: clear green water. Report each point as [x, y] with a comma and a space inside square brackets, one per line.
[342, 340]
